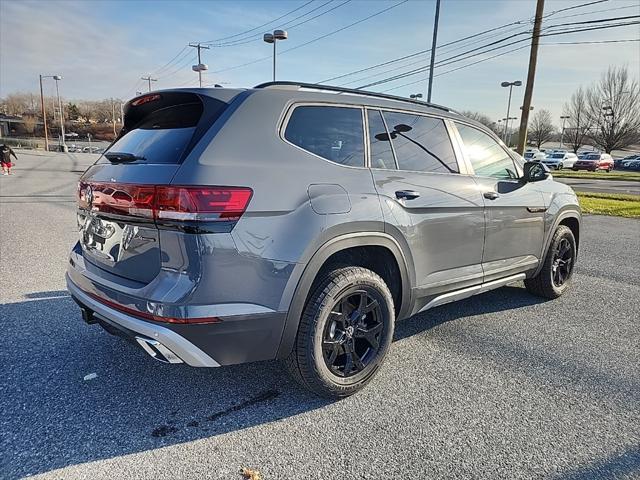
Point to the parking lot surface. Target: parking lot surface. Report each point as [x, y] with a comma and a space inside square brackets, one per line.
[502, 385]
[602, 186]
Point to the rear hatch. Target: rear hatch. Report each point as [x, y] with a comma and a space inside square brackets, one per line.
[117, 196]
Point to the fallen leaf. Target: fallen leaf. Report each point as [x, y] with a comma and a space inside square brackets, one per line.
[250, 474]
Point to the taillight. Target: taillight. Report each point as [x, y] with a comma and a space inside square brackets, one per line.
[165, 202]
[201, 203]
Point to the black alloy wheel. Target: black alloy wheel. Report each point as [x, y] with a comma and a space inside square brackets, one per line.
[351, 337]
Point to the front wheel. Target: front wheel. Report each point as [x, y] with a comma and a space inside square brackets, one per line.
[345, 332]
[557, 271]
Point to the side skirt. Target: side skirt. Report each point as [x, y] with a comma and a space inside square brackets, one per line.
[470, 291]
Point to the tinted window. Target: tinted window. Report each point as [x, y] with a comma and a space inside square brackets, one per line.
[421, 143]
[486, 155]
[162, 136]
[334, 133]
[381, 151]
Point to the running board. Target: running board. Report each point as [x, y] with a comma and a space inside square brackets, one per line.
[470, 291]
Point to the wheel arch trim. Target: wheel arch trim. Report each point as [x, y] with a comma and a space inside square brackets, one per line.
[332, 246]
[562, 215]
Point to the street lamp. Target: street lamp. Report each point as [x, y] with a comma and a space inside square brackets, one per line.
[44, 113]
[64, 145]
[273, 38]
[564, 118]
[508, 141]
[415, 96]
[517, 83]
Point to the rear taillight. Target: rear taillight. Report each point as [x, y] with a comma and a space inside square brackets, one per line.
[165, 202]
[201, 203]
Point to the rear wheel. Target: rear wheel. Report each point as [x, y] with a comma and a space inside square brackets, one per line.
[557, 271]
[345, 332]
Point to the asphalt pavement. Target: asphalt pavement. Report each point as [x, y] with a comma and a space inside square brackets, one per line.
[601, 186]
[500, 386]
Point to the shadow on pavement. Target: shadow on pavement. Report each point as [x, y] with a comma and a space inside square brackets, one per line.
[53, 417]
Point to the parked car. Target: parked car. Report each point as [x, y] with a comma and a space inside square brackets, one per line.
[342, 215]
[560, 160]
[633, 165]
[624, 162]
[534, 156]
[593, 162]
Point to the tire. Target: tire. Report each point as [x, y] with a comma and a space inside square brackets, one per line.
[546, 283]
[327, 333]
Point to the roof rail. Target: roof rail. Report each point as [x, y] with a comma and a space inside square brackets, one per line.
[351, 91]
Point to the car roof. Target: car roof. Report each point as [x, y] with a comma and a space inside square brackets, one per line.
[303, 92]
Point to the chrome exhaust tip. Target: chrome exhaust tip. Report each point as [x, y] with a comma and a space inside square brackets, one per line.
[158, 351]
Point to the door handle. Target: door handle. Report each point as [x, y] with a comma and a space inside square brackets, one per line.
[407, 194]
[491, 195]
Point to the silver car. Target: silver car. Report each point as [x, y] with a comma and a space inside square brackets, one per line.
[560, 160]
[299, 222]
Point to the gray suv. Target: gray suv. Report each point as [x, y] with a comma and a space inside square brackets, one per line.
[298, 222]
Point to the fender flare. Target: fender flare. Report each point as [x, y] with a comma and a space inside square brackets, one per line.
[568, 213]
[314, 265]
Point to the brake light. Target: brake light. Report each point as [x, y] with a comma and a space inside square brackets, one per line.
[165, 202]
[146, 99]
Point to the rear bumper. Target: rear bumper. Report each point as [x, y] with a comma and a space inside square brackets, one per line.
[239, 338]
[143, 332]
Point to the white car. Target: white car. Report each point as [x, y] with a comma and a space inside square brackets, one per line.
[560, 160]
[534, 156]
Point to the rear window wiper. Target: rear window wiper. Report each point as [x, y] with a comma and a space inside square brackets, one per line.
[123, 157]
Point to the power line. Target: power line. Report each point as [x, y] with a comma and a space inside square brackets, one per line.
[462, 57]
[287, 26]
[260, 26]
[518, 22]
[314, 39]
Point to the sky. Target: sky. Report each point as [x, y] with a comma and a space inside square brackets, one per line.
[103, 47]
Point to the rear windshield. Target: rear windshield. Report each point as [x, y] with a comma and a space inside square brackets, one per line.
[593, 157]
[163, 129]
[161, 137]
[557, 155]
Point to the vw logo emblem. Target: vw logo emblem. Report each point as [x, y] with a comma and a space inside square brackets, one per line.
[89, 195]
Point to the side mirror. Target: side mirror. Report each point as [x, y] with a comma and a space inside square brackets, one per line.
[535, 171]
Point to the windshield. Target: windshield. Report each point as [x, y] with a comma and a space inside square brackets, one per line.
[528, 155]
[557, 155]
[593, 157]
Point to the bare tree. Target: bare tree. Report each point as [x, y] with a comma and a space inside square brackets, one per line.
[614, 110]
[29, 123]
[483, 119]
[542, 128]
[579, 123]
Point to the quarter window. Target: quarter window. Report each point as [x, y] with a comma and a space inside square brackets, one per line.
[421, 143]
[381, 151]
[333, 133]
[486, 155]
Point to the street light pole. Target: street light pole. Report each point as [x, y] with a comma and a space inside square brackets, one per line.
[63, 144]
[564, 119]
[44, 117]
[433, 49]
[517, 83]
[273, 38]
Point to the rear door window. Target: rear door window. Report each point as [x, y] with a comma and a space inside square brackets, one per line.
[331, 132]
[421, 143]
[380, 142]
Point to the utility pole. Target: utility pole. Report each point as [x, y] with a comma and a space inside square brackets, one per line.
[113, 117]
[44, 118]
[433, 50]
[200, 67]
[149, 79]
[531, 75]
